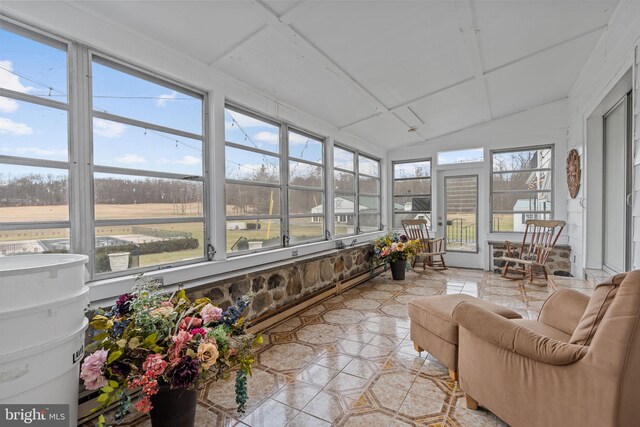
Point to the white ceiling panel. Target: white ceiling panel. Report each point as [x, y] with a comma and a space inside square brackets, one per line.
[511, 30]
[451, 110]
[281, 7]
[539, 79]
[398, 51]
[201, 29]
[384, 130]
[277, 66]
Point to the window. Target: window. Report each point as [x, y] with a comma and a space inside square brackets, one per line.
[472, 155]
[521, 187]
[34, 144]
[411, 191]
[253, 182]
[356, 192]
[148, 173]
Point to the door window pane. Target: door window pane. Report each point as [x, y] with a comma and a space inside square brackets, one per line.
[461, 213]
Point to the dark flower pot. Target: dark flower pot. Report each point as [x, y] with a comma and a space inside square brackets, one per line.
[174, 408]
[398, 268]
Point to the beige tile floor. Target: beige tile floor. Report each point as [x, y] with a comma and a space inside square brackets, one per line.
[349, 360]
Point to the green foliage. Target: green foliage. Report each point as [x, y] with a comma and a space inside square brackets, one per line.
[172, 245]
[241, 391]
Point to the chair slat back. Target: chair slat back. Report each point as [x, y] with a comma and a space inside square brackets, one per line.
[540, 238]
[416, 229]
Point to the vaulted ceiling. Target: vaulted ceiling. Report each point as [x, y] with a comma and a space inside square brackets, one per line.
[377, 68]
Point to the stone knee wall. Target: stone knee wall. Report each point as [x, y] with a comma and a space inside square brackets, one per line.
[275, 287]
[558, 263]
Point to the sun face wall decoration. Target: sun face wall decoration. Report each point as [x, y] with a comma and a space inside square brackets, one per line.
[573, 173]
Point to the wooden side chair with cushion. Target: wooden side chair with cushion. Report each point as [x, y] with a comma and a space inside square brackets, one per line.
[432, 250]
[539, 239]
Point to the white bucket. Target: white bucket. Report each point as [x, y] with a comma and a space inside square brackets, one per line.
[119, 261]
[42, 301]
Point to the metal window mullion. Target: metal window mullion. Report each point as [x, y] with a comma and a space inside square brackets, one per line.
[410, 195]
[520, 191]
[343, 170]
[306, 215]
[253, 183]
[522, 212]
[150, 174]
[251, 217]
[415, 178]
[284, 179]
[502, 172]
[308, 162]
[25, 161]
[37, 225]
[146, 221]
[146, 125]
[252, 149]
[34, 99]
[356, 199]
[303, 188]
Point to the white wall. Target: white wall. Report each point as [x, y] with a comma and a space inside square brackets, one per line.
[73, 23]
[612, 57]
[546, 124]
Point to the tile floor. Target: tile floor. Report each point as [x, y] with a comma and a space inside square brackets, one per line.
[349, 360]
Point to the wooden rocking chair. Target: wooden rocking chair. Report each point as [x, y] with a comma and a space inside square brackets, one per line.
[430, 249]
[539, 239]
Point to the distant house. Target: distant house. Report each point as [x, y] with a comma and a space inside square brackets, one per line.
[343, 208]
[522, 209]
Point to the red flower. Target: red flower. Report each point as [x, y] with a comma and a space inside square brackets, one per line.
[190, 323]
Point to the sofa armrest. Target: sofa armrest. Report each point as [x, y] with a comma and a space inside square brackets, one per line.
[564, 309]
[510, 336]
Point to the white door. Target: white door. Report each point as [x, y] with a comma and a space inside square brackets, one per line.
[459, 220]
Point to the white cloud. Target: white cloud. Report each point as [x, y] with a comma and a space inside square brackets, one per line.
[108, 129]
[243, 121]
[164, 98]
[189, 160]
[270, 137]
[8, 80]
[130, 158]
[296, 139]
[35, 151]
[7, 105]
[9, 127]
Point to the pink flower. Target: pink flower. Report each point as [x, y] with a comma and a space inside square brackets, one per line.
[210, 313]
[199, 331]
[91, 372]
[190, 322]
[166, 304]
[144, 405]
[154, 365]
[179, 340]
[386, 251]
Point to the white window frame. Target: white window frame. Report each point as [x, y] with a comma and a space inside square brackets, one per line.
[551, 148]
[394, 194]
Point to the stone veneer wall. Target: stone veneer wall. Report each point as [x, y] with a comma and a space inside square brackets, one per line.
[558, 263]
[275, 287]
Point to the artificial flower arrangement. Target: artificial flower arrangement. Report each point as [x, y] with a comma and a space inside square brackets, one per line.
[149, 341]
[393, 247]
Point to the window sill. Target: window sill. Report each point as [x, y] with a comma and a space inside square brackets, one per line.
[103, 292]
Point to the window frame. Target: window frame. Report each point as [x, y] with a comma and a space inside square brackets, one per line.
[550, 169]
[394, 194]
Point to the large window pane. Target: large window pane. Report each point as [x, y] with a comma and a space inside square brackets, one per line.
[243, 199]
[305, 175]
[524, 159]
[130, 96]
[344, 181]
[369, 203]
[412, 169]
[122, 196]
[412, 204]
[521, 202]
[461, 156]
[539, 180]
[369, 222]
[31, 130]
[305, 148]
[246, 130]
[305, 229]
[251, 235]
[515, 221]
[368, 185]
[34, 241]
[33, 194]
[122, 247]
[305, 202]
[399, 216]
[32, 67]
[412, 186]
[250, 166]
[119, 145]
[343, 159]
[345, 224]
[368, 166]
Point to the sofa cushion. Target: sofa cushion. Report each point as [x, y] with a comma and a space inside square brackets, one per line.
[436, 313]
[601, 299]
[544, 330]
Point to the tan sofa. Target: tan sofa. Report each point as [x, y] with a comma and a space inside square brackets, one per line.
[578, 365]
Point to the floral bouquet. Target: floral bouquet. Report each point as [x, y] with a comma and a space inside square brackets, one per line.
[149, 341]
[393, 247]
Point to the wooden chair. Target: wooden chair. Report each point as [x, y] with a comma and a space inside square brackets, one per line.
[430, 249]
[539, 239]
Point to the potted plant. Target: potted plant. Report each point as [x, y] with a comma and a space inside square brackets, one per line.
[394, 249]
[165, 346]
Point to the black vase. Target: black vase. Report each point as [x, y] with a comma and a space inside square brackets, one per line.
[174, 408]
[398, 268]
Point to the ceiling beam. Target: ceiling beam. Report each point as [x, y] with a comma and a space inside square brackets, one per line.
[229, 50]
[466, 18]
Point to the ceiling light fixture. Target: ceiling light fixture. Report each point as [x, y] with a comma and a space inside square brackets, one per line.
[412, 129]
